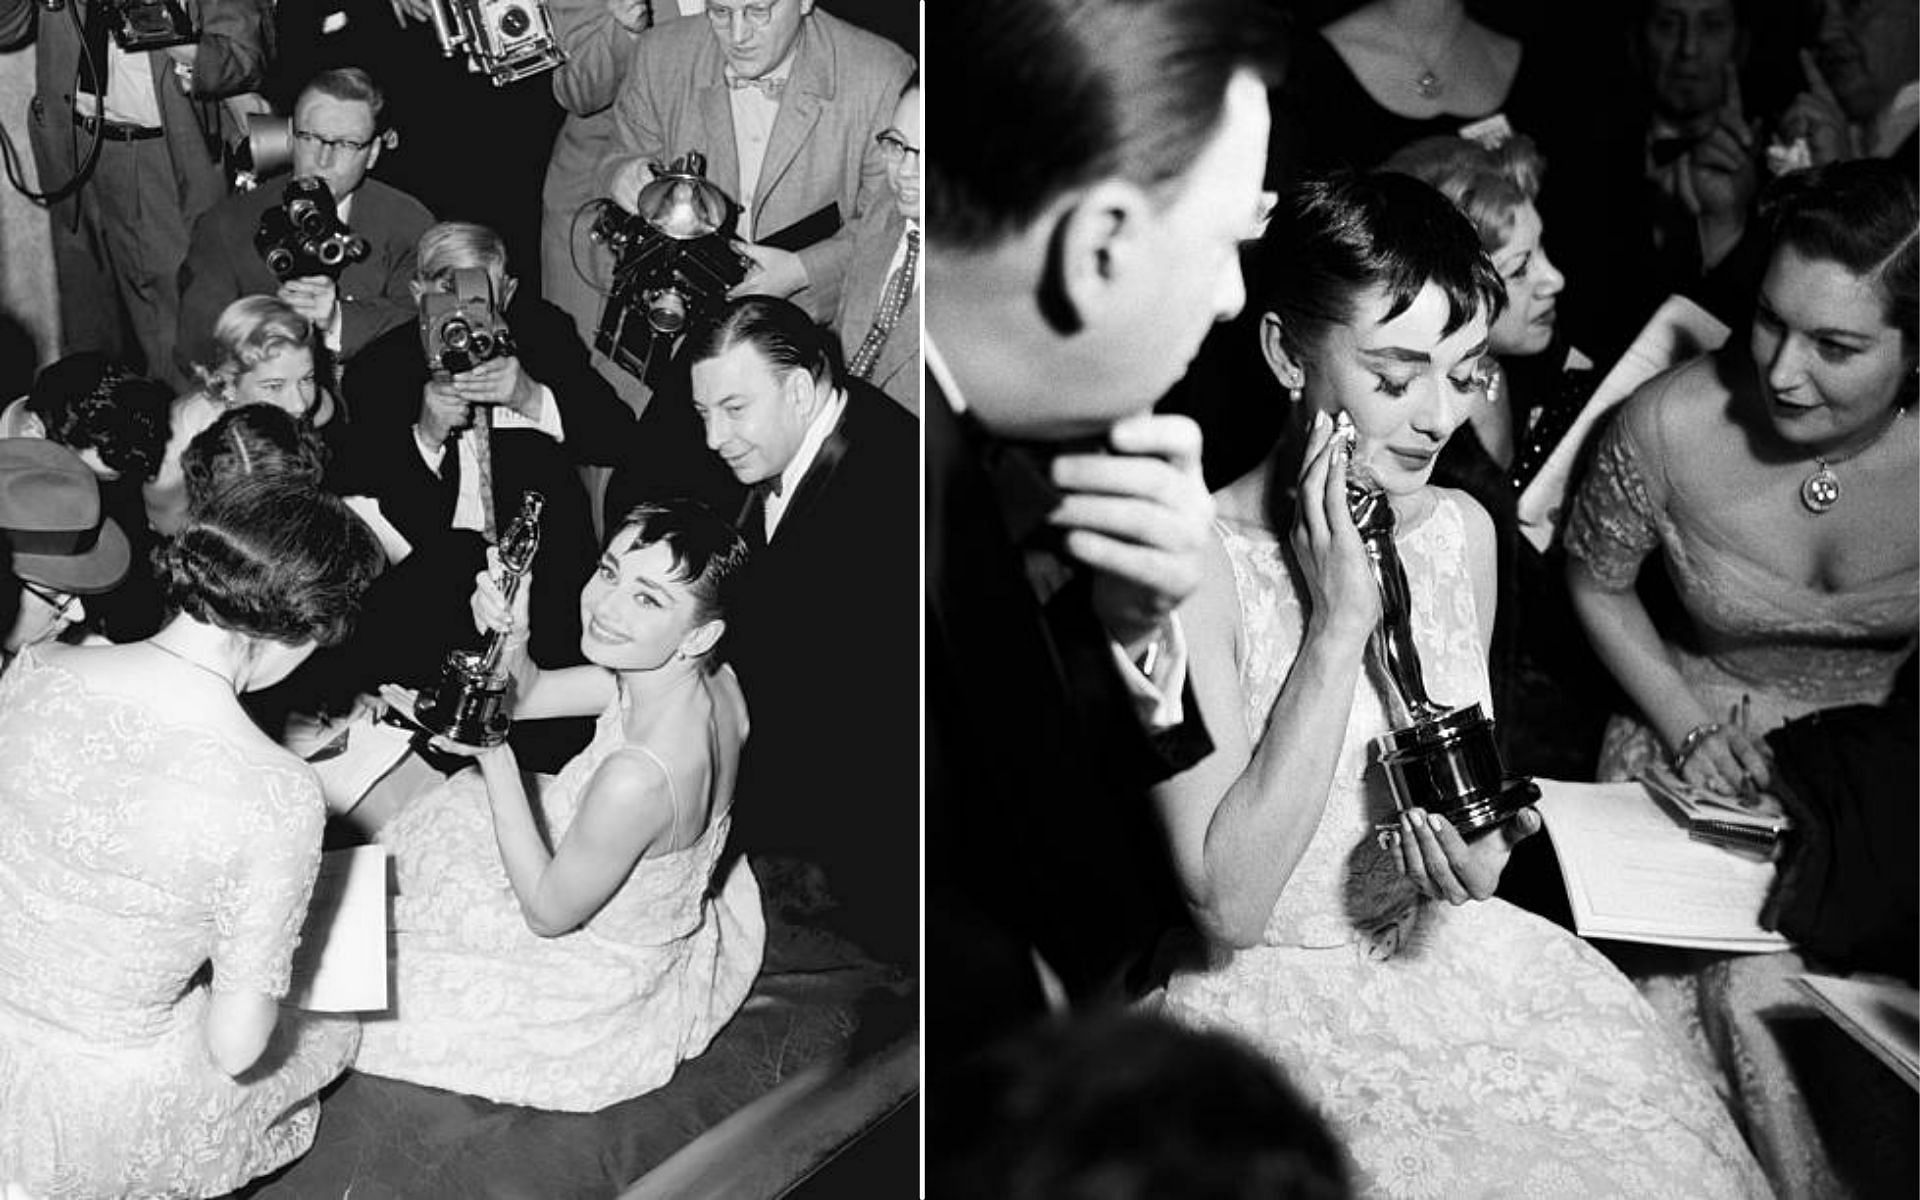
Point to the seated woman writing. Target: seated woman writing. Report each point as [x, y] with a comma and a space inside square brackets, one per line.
[158, 856]
[1458, 1049]
[566, 947]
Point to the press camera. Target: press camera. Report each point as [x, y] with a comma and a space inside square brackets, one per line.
[503, 39]
[464, 327]
[303, 234]
[138, 25]
[673, 262]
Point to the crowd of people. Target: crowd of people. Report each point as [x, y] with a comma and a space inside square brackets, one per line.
[251, 509]
[1200, 587]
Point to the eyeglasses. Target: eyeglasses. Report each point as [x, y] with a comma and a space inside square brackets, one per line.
[60, 602]
[757, 15]
[895, 148]
[314, 141]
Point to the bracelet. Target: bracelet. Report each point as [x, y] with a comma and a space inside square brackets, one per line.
[1691, 742]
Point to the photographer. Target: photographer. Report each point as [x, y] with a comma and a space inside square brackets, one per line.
[338, 135]
[143, 151]
[723, 89]
[415, 448]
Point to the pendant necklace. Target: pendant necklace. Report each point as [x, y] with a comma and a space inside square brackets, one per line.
[163, 648]
[1820, 490]
[1429, 84]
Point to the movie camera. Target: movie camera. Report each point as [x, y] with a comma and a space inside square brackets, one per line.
[464, 327]
[303, 235]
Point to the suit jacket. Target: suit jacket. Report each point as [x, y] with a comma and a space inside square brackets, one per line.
[1039, 829]
[897, 371]
[843, 89]
[824, 636]
[222, 266]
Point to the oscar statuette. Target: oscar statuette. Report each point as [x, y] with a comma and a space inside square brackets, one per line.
[470, 705]
[1444, 760]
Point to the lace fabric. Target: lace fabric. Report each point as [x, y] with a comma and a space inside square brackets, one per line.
[1464, 1052]
[134, 850]
[484, 1006]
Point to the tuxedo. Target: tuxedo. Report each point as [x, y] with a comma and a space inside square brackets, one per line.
[1040, 833]
[419, 610]
[824, 636]
[843, 88]
[223, 265]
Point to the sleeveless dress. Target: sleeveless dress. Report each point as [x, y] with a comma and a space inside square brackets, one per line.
[1458, 1052]
[484, 1006]
[135, 850]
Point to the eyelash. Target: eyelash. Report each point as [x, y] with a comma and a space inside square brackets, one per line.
[1390, 388]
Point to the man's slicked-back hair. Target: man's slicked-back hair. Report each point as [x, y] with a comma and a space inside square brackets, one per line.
[350, 84]
[780, 330]
[1053, 95]
[1331, 239]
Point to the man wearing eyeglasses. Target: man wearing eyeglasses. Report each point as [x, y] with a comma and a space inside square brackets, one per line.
[784, 100]
[149, 122]
[338, 136]
[879, 317]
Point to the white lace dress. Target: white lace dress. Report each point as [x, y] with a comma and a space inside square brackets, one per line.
[134, 851]
[1458, 1052]
[484, 1006]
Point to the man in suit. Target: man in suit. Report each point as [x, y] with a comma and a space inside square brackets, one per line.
[414, 447]
[784, 101]
[824, 632]
[338, 136]
[880, 304]
[119, 238]
[1086, 237]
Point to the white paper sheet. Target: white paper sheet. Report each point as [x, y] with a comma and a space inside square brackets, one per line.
[1883, 1017]
[341, 963]
[1632, 873]
[1679, 330]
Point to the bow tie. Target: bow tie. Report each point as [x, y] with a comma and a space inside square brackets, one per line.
[771, 88]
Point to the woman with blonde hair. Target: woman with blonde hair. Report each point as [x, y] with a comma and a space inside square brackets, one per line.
[265, 355]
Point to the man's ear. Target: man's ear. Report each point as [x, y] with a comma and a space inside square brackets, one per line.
[798, 388]
[702, 638]
[416, 289]
[1102, 244]
[507, 285]
[1286, 367]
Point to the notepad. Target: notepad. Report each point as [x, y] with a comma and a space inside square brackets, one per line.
[341, 963]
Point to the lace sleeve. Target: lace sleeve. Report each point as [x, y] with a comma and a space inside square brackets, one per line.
[1613, 527]
[263, 899]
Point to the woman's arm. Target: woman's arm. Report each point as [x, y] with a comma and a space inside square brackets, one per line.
[626, 808]
[1240, 819]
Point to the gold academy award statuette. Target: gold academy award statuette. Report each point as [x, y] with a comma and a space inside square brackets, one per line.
[1443, 760]
[469, 704]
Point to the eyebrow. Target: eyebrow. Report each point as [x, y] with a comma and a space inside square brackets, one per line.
[1417, 357]
[1825, 331]
[612, 562]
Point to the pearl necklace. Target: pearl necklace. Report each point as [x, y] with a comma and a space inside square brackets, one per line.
[1820, 490]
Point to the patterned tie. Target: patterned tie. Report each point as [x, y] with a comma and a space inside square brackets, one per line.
[771, 88]
[893, 302]
[479, 435]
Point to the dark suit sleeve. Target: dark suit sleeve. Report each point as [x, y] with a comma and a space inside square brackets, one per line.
[379, 456]
[234, 47]
[597, 424]
[16, 21]
[208, 282]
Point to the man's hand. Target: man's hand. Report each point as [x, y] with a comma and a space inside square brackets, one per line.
[1140, 518]
[499, 381]
[442, 414]
[314, 297]
[628, 182]
[1816, 115]
[774, 272]
[630, 15]
[416, 10]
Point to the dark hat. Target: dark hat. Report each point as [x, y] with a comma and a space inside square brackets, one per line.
[50, 519]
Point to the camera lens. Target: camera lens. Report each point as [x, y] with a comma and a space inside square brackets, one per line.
[331, 251]
[280, 261]
[515, 22]
[667, 311]
[306, 216]
[456, 335]
[482, 344]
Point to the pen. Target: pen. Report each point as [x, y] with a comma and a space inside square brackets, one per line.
[1749, 791]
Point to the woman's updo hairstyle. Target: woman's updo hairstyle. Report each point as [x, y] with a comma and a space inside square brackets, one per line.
[248, 332]
[272, 559]
[708, 552]
[253, 439]
[1863, 214]
[1331, 239]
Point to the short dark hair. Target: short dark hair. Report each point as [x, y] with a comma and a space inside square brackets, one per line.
[1331, 238]
[350, 84]
[708, 552]
[1128, 1106]
[779, 329]
[1863, 214]
[86, 401]
[1060, 93]
[270, 559]
[253, 439]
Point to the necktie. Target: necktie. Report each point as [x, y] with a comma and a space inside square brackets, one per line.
[771, 88]
[893, 302]
[479, 435]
